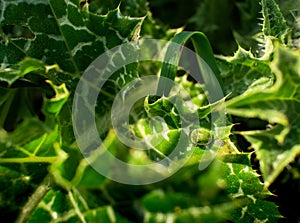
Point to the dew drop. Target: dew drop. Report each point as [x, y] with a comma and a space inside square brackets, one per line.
[200, 136]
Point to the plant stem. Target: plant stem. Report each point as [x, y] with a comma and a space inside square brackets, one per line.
[35, 199]
[33, 159]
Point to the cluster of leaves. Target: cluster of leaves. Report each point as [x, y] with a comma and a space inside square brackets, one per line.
[45, 46]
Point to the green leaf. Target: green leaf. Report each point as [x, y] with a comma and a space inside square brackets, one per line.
[133, 8]
[216, 213]
[160, 201]
[33, 140]
[278, 144]
[291, 12]
[228, 190]
[28, 151]
[243, 72]
[71, 207]
[63, 33]
[173, 55]
[30, 142]
[9, 75]
[243, 183]
[274, 23]
[53, 106]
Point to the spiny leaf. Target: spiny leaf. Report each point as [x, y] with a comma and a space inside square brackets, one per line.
[278, 145]
[70, 207]
[243, 72]
[62, 33]
[274, 23]
[216, 213]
